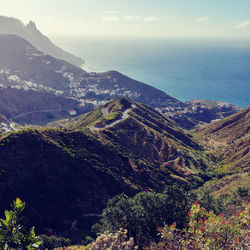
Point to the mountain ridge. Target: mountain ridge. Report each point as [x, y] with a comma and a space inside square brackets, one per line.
[10, 25]
[228, 139]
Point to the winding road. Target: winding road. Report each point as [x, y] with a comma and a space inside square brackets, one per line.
[105, 113]
[39, 111]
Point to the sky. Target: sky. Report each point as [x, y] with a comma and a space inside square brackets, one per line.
[134, 18]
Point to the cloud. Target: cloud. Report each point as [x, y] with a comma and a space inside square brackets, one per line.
[243, 25]
[151, 19]
[202, 19]
[110, 19]
[132, 18]
[110, 12]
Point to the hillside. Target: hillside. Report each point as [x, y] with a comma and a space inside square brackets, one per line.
[32, 107]
[200, 112]
[23, 66]
[128, 148]
[140, 132]
[29, 32]
[229, 140]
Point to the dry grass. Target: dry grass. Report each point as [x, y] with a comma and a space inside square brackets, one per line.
[229, 184]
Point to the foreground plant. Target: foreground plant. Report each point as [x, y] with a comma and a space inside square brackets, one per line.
[208, 231]
[12, 234]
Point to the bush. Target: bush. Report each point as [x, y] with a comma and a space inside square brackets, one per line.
[116, 240]
[208, 231]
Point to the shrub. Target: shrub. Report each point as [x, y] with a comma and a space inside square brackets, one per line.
[116, 240]
[208, 231]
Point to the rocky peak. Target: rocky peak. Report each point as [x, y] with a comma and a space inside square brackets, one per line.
[31, 26]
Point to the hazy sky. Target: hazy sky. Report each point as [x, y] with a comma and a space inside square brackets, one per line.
[134, 18]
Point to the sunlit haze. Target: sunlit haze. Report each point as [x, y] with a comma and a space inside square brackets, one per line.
[134, 18]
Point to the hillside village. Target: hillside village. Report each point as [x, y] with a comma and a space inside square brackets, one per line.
[86, 89]
[194, 108]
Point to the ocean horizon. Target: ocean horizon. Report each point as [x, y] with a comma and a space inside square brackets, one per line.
[184, 69]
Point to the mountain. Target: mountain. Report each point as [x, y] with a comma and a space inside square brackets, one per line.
[30, 89]
[124, 146]
[29, 32]
[229, 140]
[22, 66]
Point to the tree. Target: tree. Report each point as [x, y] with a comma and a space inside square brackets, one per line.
[13, 235]
[144, 212]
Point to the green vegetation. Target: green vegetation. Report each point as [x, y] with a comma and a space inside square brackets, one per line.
[13, 235]
[144, 212]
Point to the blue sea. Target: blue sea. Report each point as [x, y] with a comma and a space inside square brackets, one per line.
[185, 69]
